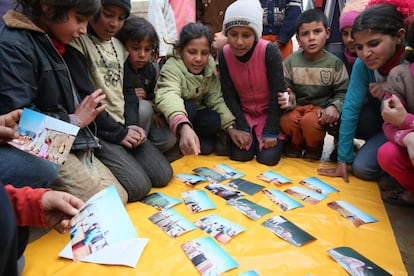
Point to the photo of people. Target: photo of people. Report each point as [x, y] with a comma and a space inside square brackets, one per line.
[245, 186]
[172, 223]
[288, 231]
[94, 228]
[354, 263]
[210, 174]
[44, 136]
[249, 208]
[274, 178]
[190, 179]
[306, 195]
[219, 228]
[282, 200]
[350, 212]
[197, 201]
[317, 185]
[208, 257]
[160, 201]
[224, 191]
[227, 171]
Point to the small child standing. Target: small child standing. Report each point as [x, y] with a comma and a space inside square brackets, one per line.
[396, 157]
[251, 75]
[318, 81]
[140, 74]
[189, 93]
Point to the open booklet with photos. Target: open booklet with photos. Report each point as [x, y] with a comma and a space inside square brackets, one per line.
[44, 136]
[102, 232]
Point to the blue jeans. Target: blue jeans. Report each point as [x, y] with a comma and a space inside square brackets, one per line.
[20, 169]
[365, 165]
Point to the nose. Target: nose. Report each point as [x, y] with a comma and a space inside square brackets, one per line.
[82, 28]
[197, 57]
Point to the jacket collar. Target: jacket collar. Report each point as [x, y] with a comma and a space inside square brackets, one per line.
[17, 20]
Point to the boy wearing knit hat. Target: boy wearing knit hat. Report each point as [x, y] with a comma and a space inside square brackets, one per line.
[96, 60]
[251, 78]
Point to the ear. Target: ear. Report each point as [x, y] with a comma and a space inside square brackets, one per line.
[298, 40]
[401, 36]
[328, 33]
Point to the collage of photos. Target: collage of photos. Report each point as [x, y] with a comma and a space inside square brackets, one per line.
[45, 137]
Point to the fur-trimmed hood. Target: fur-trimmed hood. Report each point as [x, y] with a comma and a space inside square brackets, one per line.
[17, 20]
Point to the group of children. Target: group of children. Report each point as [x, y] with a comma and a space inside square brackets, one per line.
[92, 64]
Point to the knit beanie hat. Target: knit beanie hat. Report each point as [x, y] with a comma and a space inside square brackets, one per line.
[244, 13]
[347, 19]
[124, 4]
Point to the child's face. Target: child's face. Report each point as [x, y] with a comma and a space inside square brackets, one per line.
[110, 21]
[312, 38]
[195, 54]
[70, 29]
[241, 40]
[347, 39]
[375, 49]
[140, 53]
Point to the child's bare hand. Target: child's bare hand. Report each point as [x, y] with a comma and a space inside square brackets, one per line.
[8, 125]
[140, 93]
[282, 101]
[88, 108]
[241, 139]
[377, 89]
[328, 116]
[269, 142]
[393, 111]
[341, 170]
[135, 137]
[189, 142]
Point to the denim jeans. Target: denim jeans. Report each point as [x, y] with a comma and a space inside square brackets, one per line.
[20, 169]
[365, 165]
[136, 169]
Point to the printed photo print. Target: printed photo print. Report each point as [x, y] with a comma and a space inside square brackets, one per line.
[282, 200]
[350, 212]
[274, 178]
[248, 208]
[288, 231]
[219, 228]
[245, 186]
[190, 179]
[208, 257]
[227, 171]
[354, 263]
[224, 191]
[197, 201]
[172, 223]
[317, 185]
[305, 195]
[160, 201]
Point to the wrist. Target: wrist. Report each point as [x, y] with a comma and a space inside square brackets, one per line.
[230, 127]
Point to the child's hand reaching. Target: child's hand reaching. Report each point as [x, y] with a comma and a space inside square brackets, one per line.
[393, 111]
[189, 142]
[140, 93]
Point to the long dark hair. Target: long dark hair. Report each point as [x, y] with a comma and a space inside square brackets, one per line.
[193, 31]
[58, 9]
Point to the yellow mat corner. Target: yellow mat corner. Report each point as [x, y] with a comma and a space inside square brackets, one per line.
[256, 248]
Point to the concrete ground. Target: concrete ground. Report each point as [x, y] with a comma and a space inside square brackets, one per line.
[401, 219]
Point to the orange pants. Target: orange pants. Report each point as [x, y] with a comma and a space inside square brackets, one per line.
[302, 126]
[285, 50]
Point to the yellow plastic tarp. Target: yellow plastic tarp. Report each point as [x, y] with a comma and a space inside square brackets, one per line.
[256, 248]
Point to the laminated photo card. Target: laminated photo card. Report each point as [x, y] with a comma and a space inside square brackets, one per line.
[288, 231]
[208, 257]
[248, 208]
[354, 263]
[102, 232]
[274, 178]
[197, 201]
[172, 223]
[350, 212]
[317, 185]
[210, 174]
[306, 195]
[282, 200]
[190, 179]
[219, 228]
[245, 186]
[224, 191]
[227, 171]
[160, 201]
[248, 273]
[45, 137]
